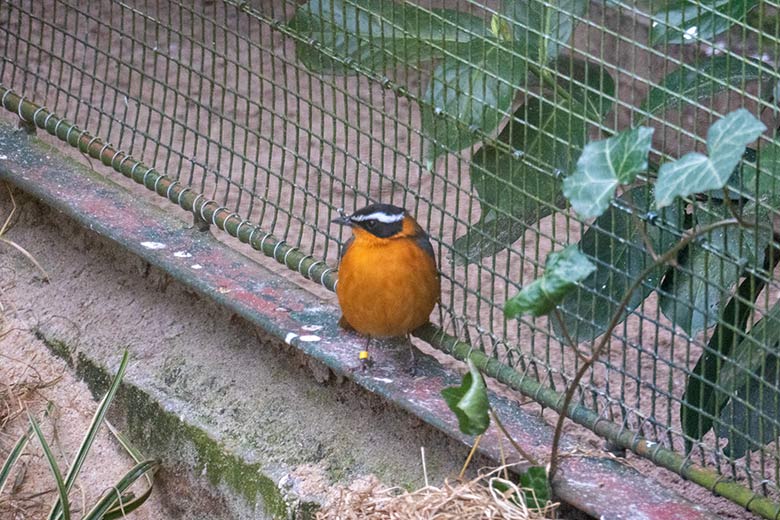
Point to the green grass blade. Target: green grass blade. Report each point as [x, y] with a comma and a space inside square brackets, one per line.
[86, 444]
[101, 510]
[55, 469]
[118, 511]
[125, 443]
[17, 451]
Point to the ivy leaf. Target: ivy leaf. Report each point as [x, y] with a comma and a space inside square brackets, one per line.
[734, 186]
[465, 95]
[642, 5]
[692, 295]
[695, 173]
[378, 34]
[761, 341]
[604, 165]
[562, 272]
[705, 78]
[517, 189]
[541, 29]
[761, 178]
[748, 427]
[615, 244]
[699, 403]
[469, 402]
[533, 484]
[512, 192]
[750, 376]
[475, 91]
[500, 28]
[536, 486]
[686, 21]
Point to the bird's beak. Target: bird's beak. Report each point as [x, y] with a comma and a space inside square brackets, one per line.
[343, 218]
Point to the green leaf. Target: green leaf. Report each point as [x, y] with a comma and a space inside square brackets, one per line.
[642, 5]
[517, 189]
[120, 510]
[89, 438]
[542, 28]
[536, 486]
[705, 78]
[696, 173]
[604, 165]
[469, 402]
[378, 34]
[750, 375]
[100, 511]
[466, 95]
[761, 178]
[734, 186]
[699, 403]
[751, 354]
[500, 28]
[473, 90]
[748, 427]
[17, 451]
[687, 21]
[563, 270]
[693, 294]
[13, 456]
[616, 246]
[62, 490]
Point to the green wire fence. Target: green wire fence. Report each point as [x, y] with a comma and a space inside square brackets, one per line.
[265, 117]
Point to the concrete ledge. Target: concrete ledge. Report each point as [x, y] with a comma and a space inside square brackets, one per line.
[235, 393]
[216, 398]
[247, 426]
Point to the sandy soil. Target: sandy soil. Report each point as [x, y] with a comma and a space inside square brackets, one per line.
[30, 378]
[221, 103]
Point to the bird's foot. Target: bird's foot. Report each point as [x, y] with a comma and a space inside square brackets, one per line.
[366, 362]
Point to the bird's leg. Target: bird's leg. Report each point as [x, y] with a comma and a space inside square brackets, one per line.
[365, 359]
[412, 358]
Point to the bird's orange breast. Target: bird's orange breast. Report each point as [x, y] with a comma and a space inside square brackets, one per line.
[387, 287]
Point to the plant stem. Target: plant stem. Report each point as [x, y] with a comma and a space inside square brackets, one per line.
[567, 336]
[471, 454]
[549, 80]
[616, 318]
[640, 228]
[527, 456]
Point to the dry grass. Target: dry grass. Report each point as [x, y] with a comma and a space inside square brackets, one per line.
[7, 225]
[16, 397]
[469, 500]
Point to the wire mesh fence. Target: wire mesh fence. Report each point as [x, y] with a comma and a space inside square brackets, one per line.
[471, 115]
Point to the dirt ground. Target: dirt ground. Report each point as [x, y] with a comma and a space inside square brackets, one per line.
[243, 123]
[31, 378]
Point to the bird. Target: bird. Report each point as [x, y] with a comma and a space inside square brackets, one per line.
[388, 279]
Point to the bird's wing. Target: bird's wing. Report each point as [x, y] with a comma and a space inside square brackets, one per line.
[346, 246]
[425, 244]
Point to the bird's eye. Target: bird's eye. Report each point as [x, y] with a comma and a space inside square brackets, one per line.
[370, 224]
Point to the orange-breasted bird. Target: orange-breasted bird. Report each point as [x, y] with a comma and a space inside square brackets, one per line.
[388, 279]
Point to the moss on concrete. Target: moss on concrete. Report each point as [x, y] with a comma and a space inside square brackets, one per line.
[58, 348]
[157, 432]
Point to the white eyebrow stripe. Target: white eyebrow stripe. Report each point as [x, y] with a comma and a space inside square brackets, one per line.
[378, 215]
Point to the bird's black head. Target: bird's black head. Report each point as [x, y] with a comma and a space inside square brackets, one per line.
[381, 220]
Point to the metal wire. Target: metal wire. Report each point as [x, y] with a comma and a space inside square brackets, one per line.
[237, 130]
